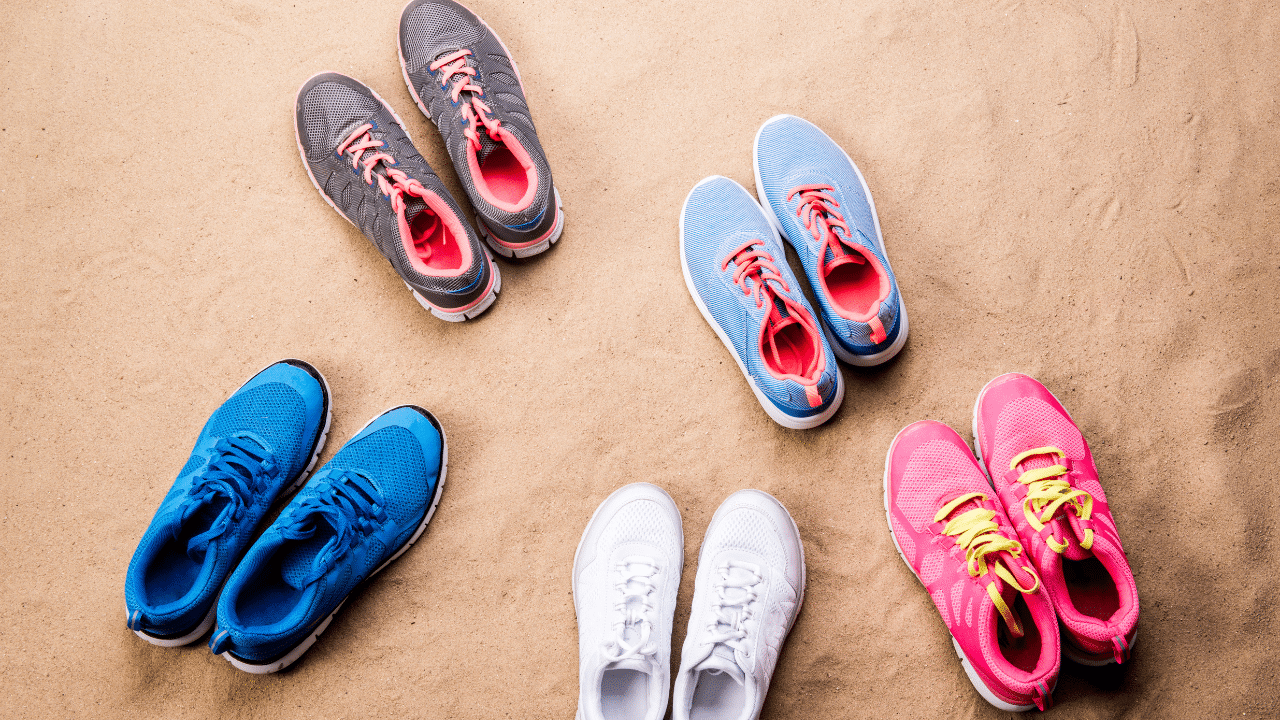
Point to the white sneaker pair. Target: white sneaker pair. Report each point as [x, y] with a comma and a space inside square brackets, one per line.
[746, 596]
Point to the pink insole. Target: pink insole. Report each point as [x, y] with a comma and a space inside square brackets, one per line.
[433, 243]
[855, 288]
[1092, 590]
[795, 351]
[503, 174]
[1024, 652]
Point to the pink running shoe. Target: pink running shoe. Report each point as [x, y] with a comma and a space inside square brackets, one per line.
[953, 533]
[1044, 474]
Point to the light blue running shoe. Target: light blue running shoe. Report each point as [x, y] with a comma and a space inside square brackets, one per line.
[816, 197]
[260, 443]
[362, 510]
[736, 269]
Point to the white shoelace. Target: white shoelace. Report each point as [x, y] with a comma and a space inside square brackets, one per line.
[731, 607]
[632, 613]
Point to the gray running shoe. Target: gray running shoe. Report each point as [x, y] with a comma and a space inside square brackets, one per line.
[463, 78]
[358, 156]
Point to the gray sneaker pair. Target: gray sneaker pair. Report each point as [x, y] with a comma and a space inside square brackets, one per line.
[359, 156]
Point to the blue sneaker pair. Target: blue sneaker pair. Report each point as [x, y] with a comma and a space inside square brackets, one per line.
[735, 267]
[359, 512]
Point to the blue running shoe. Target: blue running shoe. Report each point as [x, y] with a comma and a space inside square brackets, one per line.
[736, 269]
[816, 197]
[362, 510]
[262, 442]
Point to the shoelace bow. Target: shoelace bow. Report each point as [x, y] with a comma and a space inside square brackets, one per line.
[732, 605]
[635, 581]
[1049, 493]
[753, 263]
[986, 550]
[362, 148]
[817, 209]
[349, 502]
[454, 69]
[238, 468]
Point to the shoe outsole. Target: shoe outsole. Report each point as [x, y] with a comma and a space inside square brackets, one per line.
[974, 677]
[504, 250]
[442, 313]
[298, 650]
[1073, 654]
[212, 615]
[873, 359]
[778, 416]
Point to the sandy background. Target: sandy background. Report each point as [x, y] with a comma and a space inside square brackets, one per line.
[1084, 192]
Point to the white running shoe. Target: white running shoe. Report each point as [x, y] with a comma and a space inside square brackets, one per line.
[625, 577]
[746, 597]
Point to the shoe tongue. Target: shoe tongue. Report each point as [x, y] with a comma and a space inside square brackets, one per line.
[631, 663]
[721, 660]
[487, 144]
[779, 317]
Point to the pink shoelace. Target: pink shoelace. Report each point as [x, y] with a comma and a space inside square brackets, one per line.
[455, 69]
[754, 263]
[817, 209]
[363, 150]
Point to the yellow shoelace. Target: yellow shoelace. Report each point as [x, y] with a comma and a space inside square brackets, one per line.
[1047, 492]
[976, 532]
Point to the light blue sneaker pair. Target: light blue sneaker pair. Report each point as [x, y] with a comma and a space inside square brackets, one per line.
[359, 512]
[735, 267]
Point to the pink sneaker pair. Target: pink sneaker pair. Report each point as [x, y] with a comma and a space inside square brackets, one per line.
[1014, 542]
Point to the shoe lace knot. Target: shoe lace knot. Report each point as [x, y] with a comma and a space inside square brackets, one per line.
[733, 604]
[635, 582]
[987, 551]
[346, 500]
[239, 467]
[1050, 494]
[458, 76]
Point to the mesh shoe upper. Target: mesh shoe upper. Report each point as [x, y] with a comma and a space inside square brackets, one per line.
[625, 579]
[955, 536]
[718, 220]
[792, 154]
[254, 446]
[363, 506]
[746, 597]
[331, 109]
[1056, 502]
[433, 30]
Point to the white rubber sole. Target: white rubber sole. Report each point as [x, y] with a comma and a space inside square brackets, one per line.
[774, 413]
[298, 650]
[445, 315]
[860, 360]
[974, 677]
[212, 615]
[524, 252]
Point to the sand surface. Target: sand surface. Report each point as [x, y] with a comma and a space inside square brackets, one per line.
[1086, 192]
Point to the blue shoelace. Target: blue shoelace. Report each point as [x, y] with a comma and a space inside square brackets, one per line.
[239, 468]
[348, 501]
